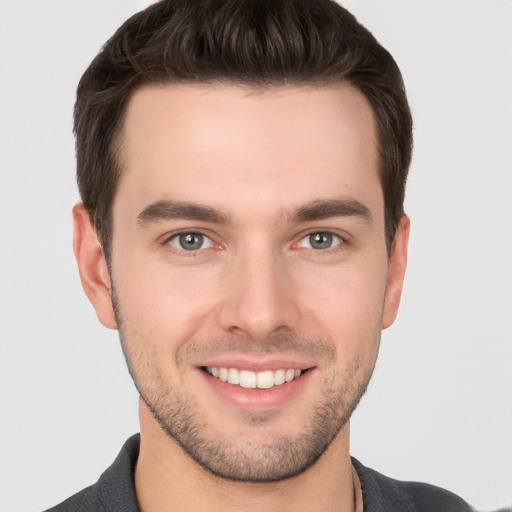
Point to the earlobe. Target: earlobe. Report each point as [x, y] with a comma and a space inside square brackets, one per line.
[92, 266]
[396, 272]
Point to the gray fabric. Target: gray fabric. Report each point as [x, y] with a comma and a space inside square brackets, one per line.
[115, 492]
[384, 494]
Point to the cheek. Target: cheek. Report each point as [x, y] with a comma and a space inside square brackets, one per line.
[345, 304]
[170, 305]
[164, 303]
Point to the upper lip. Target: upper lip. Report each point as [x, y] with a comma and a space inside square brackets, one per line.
[257, 365]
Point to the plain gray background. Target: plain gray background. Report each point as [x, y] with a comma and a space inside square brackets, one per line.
[439, 408]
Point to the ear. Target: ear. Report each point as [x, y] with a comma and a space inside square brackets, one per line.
[92, 266]
[396, 272]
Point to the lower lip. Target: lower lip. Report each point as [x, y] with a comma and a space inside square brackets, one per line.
[255, 399]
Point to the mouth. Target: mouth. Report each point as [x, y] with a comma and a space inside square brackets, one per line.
[256, 386]
[266, 379]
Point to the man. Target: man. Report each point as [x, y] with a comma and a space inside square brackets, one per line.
[242, 167]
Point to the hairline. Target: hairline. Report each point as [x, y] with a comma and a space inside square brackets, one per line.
[252, 87]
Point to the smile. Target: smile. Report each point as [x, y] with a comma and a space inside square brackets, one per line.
[247, 379]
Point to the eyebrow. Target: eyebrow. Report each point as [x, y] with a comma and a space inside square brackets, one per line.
[316, 210]
[166, 210]
[325, 209]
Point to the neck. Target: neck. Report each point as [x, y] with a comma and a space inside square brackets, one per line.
[166, 479]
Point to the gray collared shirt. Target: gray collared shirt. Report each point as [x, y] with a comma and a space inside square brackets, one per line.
[115, 491]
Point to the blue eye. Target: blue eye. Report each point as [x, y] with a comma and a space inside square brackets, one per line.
[320, 240]
[190, 241]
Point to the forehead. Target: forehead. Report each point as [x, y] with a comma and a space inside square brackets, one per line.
[218, 143]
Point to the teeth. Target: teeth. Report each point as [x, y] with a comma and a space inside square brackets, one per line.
[265, 380]
[247, 379]
[279, 377]
[233, 376]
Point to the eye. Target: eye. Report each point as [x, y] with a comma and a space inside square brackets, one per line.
[320, 240]
[190, 241]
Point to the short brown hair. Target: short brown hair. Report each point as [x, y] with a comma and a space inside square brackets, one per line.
[251, 42]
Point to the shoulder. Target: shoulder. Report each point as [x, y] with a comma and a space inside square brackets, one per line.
[113, 491]
[87, 500]
[382, 494]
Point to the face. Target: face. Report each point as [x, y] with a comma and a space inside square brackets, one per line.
[249, 269]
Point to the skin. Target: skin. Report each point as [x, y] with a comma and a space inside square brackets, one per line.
[256, 294]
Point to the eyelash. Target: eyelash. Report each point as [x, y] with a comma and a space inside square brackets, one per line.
[194, 252]
[338, 240]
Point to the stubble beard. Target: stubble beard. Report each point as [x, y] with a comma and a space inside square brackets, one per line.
[264, 460]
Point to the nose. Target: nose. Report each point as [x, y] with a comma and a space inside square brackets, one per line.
[259, 299]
